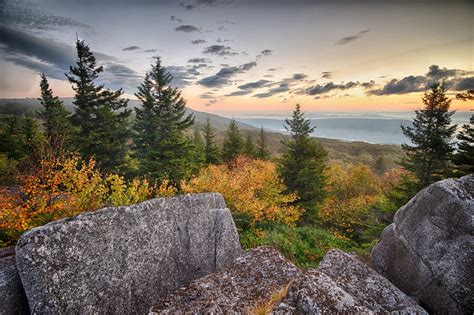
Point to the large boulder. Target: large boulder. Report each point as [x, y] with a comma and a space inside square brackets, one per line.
[12, 296]
[121, 260]
[343, 284]
[428, 252]
[238, 289]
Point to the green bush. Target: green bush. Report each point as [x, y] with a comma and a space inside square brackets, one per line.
[304, 246]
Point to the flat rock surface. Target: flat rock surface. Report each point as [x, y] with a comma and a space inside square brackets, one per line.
[343, 284]
[120, 260]
[428, 252]
[239, 288]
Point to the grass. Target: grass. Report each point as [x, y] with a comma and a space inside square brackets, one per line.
[304, 246]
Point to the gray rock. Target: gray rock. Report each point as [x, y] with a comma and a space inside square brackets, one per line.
[428, 252]
[121, 260]
[238, 289]
[343, 284]
[12, 296]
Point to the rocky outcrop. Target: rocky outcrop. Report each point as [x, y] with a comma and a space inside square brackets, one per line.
[262, 279]
[428, 252]
[12, 296]
[244, 285]
[343, 284]
[121, 260]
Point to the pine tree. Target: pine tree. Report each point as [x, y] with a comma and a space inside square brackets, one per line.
[431, 135]
[233, 142]
[262, 152]
[464, 157]
[211, 150]
[249, 147]
[303, 164]
[101, 116]
[199, 157]
[55, 116]
[161, 145]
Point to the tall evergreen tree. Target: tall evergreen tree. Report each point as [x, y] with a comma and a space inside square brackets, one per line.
[211, 150]
[198, 153]
[161, 145]
[431, 136]
[55, 116]
[261, 150]
[303, 164]
[464, 157]
[233, 142]
[249, 147]
[101, 115]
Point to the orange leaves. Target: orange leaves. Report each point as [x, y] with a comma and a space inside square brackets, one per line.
[251, 188]
[64, 188]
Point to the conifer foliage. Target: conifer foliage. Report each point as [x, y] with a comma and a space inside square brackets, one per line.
[101, 115]
[464, 157]
[211, 150]
[303, 164]
[261, 150]
[431, 136]
[233, 142]
[55, 117]
[161, 145]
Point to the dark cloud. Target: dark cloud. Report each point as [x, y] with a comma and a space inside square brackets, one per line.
[182, 76]
[174, 18]
[239, 93]
[348, 39]
[465, 84]
[224, 75]
[207, 95]
[265, 52]
[118, 76]
[198, 41]
[131, 48]
[219, 50]
[408, 84]
[211, 102]
[299, 76]
[187, 28]
[437, 73]
[150, 50]
[328, 87]
[220, 40]
[283, 87]
[187, 6]
[272, 69]
[254, 85]
[326, 75]
[199, 60]
[27, 16]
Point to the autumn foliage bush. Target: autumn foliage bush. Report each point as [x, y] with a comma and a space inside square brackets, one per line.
[357, 200]
[252, 190]
[60, 188]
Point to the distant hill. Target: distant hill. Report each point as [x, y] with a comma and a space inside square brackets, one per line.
[338, 150]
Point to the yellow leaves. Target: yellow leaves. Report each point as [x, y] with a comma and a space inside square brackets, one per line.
[250, 187]
[64, 188]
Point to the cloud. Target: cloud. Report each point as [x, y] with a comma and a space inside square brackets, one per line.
[199, 60]
[299, 76]
[326, 75]
[239, 93]
[331, 86]
[437, 73]
[187, 6]
[27, 16]
[182, 76]
[198, 41]
[265, 52]
[186, 28]
[465, 84]
[174, 18]
[150, 50]
[254, 85]
[348, 39]
[131, 48]
[207, 95]
[211, 102]
[224, 75]
[219, 50]
[220, 40]
[408, 84]
[284, 87]
[117, 76]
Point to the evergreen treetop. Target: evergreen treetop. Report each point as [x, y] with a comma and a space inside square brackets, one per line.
[211, 150]
[261, 149]
[233, 142]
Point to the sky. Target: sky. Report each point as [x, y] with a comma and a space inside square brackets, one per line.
[234, 57]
